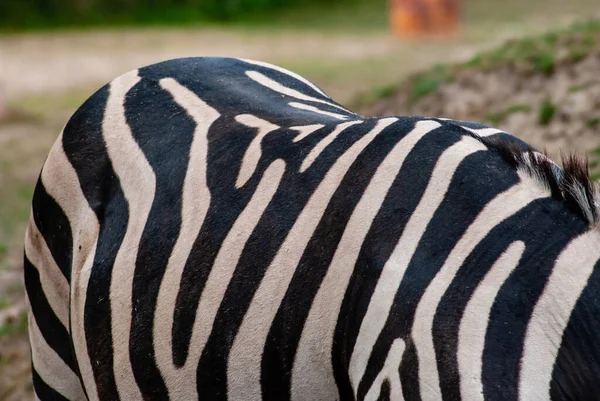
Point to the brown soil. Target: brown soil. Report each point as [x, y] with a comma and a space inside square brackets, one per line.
[557, 111]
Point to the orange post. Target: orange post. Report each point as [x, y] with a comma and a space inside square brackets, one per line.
[413, 18]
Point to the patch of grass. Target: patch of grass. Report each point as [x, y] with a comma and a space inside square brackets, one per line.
[543, 63]
[372, 96]
[384, 91]
[540, 54]
[474, 62]
[496, 118]
[594, 164]
[17, 325]
[577, 55]
[576, 88]
[593, 122]
[430, 82]
[547, 112]
[550, 38]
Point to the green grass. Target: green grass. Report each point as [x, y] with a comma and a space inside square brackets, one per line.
[594, 164]
[593, 122]
[540, 54]
[14, 327]
[497, 118]
[547, 112]
[430, 82]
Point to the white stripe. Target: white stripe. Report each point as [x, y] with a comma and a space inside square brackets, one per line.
[306, 107]
[551, 314]
[284, 90]
[138, 183]
[394, 269]
[501, 207]
[54, 283]
[244, 365]
[287, 72]
[474, 322]
[225, 263]
[312, 372]
[305, 131]
[253, 153]
[390, 371]
[323, 143]
[62, 184]
[50, 367]
[194, 206]
[483, 131]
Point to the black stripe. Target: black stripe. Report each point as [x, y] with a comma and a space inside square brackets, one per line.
[516, 299]
[576, 371]
[384, 393]
[166, 145]
[54, 226]
[43, 391]
[85, 148]
[53, 331]
[97, 319]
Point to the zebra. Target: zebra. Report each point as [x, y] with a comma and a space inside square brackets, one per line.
[221, 229]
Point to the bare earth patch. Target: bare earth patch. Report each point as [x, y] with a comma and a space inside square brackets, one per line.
[553, 103]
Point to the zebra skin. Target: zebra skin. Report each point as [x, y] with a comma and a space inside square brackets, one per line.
[220, 229]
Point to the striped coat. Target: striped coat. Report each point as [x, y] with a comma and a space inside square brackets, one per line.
[212, 229]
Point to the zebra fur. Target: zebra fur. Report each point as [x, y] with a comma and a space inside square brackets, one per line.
[212, 229]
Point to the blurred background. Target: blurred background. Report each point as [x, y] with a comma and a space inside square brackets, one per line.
[530, 67]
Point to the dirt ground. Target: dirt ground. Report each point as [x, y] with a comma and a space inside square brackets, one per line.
[45, 76]
[557, 109]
